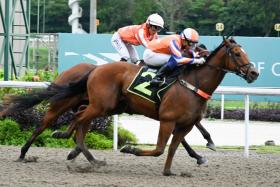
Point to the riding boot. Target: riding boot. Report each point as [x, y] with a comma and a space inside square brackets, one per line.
[123, 59]
[159, 78]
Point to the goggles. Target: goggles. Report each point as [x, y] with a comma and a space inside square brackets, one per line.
[191, 44]
[155, 27]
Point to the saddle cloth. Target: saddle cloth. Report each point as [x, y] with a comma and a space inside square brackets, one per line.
[141, 84]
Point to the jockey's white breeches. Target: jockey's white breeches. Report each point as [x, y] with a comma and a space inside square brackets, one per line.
[125, 50]
[155, 59]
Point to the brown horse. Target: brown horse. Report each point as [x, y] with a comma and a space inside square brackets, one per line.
[19, 103]
[181, 106]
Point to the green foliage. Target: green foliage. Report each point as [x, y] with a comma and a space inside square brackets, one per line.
[240, 105]
[46, 140]
[124, 136]
[11, 134]
[47, 76]
[245, 18]
[98, 141]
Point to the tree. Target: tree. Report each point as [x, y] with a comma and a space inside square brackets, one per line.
[244, 17]
[56, 19]
[251, 18]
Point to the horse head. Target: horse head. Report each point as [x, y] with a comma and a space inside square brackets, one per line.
[236, 60]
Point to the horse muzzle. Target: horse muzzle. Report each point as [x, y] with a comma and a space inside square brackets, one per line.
[252, 74]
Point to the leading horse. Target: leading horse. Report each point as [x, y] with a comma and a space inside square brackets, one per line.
[181, 106]
[19, 103]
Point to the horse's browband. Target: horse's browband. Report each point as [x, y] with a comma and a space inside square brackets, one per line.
[196, 90]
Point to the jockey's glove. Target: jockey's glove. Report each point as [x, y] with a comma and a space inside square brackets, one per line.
[199, 61]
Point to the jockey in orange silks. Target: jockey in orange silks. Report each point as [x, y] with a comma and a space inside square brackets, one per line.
[126, 37]
[167, 52]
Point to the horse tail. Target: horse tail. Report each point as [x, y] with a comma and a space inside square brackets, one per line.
[16, 103]
[70, 90]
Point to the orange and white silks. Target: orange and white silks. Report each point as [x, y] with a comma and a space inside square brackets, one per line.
[164, 48]
[136, 35]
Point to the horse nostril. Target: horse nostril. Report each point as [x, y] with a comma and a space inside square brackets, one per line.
[255, 73]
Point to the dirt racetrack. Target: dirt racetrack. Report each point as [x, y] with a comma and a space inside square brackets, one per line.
[224, 168]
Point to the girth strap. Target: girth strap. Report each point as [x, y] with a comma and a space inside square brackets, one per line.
[196, 90]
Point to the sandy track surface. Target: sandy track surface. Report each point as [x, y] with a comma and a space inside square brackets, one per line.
[225, 168]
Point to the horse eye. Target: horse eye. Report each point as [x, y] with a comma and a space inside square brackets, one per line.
[237, 54]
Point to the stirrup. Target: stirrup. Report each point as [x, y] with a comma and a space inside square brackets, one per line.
[157, 82]
[123, 59]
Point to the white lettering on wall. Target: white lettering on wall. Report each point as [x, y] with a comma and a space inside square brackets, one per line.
[259, 66]
[275, 69]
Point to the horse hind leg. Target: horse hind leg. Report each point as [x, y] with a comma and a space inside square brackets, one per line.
[165, 131]
[206, 135]
[82, 124]
[199, 159]
[81, 147]
[49, 117]
[68, 133]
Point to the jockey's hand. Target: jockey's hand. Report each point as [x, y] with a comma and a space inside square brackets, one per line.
[196, 55]
[199, 61]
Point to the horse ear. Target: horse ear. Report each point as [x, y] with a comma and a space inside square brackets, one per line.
[230, 35]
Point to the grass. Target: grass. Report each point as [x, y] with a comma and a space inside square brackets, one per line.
[257, 148]
[240, 105]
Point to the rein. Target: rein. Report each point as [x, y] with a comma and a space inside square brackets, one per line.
[237, 71]
[195, 89]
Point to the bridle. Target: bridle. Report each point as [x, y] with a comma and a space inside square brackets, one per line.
[231, 57]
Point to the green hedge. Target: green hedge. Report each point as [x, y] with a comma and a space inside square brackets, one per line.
[11, 134]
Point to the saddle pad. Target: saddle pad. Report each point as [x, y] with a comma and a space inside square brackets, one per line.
[141, 85]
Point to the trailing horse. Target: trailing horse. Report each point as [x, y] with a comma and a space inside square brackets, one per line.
[181, 106]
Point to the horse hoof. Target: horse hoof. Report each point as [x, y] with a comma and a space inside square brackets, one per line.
[168, 173]
[56, 134]
[202, 160]
[98, 163]
[19, 160]
[71, 155]
[101, 162]
[126, 149]
[28, 159]
[211, 146]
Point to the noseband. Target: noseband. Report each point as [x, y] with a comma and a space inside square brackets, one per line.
[231, 56]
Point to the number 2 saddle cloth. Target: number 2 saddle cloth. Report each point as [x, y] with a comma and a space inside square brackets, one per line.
[141, 84]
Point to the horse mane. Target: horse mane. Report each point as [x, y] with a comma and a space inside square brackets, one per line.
[219, 47]
[189, 68]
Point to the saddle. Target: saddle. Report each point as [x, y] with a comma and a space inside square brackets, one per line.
[141, 83]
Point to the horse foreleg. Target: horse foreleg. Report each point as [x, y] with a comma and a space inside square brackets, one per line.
[74, 153]
[166, 129]
[178, 137]
[206, 135]
[199, 159]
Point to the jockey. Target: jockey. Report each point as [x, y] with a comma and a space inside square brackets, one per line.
[167, 53]
[124, 39]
